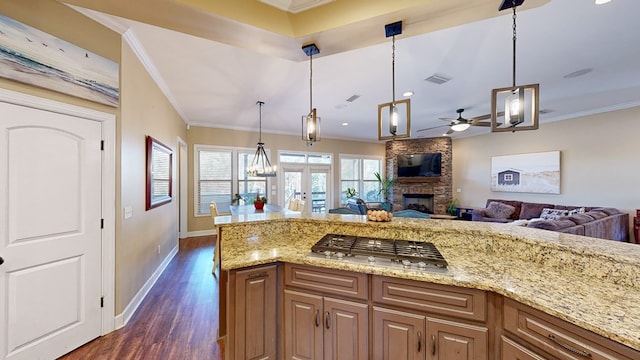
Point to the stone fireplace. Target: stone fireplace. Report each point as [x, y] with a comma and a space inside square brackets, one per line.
[436, 192]
[419, 202]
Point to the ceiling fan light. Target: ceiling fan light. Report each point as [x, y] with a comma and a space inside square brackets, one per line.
[460, 126]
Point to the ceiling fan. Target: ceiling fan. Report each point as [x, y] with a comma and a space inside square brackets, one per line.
[462, 124]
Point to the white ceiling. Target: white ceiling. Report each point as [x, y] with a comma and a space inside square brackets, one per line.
[215, 84]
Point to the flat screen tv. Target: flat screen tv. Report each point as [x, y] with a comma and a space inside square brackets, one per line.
[416, 165]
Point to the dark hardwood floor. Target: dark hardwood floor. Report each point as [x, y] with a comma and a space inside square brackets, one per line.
[178, 318]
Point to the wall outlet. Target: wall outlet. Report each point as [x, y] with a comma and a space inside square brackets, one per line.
[458, 190]
[128, 212]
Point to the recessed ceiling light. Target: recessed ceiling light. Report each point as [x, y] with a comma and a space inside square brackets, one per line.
[341, 106]
[600, 2]
[345, 124]
[407, 93]
[577, 73]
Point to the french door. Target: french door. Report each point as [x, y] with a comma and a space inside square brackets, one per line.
[309, 183]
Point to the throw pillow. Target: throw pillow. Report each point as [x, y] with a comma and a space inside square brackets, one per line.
[580, 210]
[498, 210]
[552, 214]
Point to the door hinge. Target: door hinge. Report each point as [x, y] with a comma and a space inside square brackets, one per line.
[101, 223]
[102, 145]
[102, 302]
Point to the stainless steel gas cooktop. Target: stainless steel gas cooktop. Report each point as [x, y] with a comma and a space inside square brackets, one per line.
[401, 254]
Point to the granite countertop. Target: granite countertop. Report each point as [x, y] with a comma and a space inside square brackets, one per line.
[592, 283]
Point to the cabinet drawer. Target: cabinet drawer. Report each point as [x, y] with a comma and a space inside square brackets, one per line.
[560, 338]
[433, 298]
[514, 351]
[329, 281]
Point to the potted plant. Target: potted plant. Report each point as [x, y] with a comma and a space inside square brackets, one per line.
[351, 192]
[386, 186]
[452, 209]
[259, 201]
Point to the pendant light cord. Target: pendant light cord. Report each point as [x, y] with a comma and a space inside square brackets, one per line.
[260, 136]
[310, 83]
[513, 2]
[393, 69]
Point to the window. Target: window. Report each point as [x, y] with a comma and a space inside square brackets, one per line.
[216, 180]
[357, 172]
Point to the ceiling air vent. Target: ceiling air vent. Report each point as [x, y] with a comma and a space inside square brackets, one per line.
[438, 79]
[353, 98]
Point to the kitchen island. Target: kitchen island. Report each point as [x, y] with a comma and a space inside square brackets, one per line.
[589, 283]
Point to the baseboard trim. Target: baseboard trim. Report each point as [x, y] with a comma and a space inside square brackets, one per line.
[202, 233]
[122, 319]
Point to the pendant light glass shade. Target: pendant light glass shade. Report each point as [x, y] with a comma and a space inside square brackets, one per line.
[260, 165]
[520, 103]
[395, 122]
[311, 122]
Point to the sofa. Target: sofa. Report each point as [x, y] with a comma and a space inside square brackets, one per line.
[598, 222]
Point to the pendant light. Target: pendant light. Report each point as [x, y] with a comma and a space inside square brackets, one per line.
[260, 166]
[521, 102]
[310, 122]
[399, 112]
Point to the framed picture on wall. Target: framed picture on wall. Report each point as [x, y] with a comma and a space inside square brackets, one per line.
[159, 169]
[34, 57]
[531, 173]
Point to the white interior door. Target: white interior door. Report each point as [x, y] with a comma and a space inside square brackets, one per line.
[310, 184]
[50, 238]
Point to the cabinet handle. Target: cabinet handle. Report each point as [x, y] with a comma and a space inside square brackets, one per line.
[570, 348]
[326, 320]
[433, 344]
[419, 341]
[262, 274]
[317, 318]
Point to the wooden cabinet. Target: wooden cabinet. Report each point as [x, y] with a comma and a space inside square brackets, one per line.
[254, 311]
[398, 335]
[456, 340]
[412, 335]
[319, 325]
[303, 325]
[560, 338]
[514, 351]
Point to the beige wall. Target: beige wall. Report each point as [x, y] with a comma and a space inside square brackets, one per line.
[144, 110]
[273, 143]
[598, 161]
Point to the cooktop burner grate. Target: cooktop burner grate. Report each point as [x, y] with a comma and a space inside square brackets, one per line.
[396, 250]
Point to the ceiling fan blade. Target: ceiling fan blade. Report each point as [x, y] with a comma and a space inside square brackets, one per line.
[450, 132]
[477, 123]
[431, 128]
[447, 119]
[481, 117]
[486, 117]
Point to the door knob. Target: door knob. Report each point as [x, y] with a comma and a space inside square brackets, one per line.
[1, 260]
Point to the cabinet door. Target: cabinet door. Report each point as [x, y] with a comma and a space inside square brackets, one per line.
[449, 340]
[398, 335]
[346, 331]
[303, 323]
[255, 313]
